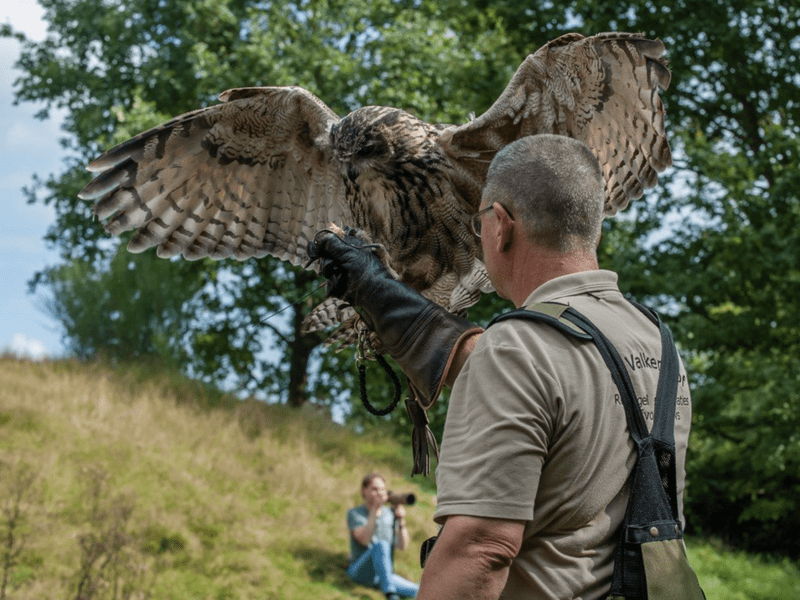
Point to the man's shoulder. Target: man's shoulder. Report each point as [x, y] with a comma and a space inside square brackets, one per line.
[357, 516]
[509, 333]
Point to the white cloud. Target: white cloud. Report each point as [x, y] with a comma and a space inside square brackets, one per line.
[25, 16]
[23, 346]
[27, 134]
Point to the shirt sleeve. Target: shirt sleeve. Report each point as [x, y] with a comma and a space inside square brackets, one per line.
[499, 425]
[355, 518]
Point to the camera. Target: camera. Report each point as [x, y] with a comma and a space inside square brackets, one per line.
[395, 499]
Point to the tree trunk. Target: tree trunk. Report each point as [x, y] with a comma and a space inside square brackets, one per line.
[302, 346]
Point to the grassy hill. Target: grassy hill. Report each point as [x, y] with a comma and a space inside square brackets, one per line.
[124, 483]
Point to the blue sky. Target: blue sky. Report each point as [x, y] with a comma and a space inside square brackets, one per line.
[27, 146]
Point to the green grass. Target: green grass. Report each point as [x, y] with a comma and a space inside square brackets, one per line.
[186, 493]
[726, 574]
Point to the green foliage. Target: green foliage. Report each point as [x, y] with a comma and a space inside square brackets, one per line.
[157, 539]
[131, 305]
[122, 67]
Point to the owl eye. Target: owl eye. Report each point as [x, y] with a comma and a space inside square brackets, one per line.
[367, 150]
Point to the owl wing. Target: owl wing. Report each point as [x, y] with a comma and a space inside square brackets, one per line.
[602, 90]
[248, 177]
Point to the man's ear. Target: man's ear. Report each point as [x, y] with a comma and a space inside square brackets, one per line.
[505, 227]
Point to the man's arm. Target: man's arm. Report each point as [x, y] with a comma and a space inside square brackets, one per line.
[401, 535]
[471, 559]
[363, 534]
[460, 354]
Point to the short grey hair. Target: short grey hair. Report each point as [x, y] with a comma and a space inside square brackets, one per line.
[554, 187]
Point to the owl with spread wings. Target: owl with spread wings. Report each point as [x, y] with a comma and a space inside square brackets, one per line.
[267, 168]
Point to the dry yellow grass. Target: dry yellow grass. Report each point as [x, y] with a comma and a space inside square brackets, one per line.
[238, 501]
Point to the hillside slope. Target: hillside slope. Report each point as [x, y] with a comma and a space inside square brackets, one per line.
[143, 487]
[130, 483]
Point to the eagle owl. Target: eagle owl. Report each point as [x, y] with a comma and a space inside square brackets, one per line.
[266, 169]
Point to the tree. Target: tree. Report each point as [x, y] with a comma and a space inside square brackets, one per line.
[130, 306]
[715, 245]
[121, 67]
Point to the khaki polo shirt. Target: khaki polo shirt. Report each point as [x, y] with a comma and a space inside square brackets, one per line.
[536, 432]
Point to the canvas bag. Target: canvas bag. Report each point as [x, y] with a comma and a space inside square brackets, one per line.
[650, 560]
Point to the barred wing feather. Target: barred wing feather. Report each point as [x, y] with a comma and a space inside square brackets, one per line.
[248, 177]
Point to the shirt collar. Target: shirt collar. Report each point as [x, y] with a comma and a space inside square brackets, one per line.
[574, 284]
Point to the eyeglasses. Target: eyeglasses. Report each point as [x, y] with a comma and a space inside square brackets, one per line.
[475, 220]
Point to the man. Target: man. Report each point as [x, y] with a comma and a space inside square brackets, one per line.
[536, 452]
[375, 530]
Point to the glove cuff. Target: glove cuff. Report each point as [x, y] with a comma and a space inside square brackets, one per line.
[426, 351]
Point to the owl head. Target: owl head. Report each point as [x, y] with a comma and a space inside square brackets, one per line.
[376, 138]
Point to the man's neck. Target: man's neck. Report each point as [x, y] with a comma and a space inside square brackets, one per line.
[540, 265]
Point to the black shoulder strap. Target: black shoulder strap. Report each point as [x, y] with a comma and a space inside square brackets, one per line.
[667, 390]
[547, 312]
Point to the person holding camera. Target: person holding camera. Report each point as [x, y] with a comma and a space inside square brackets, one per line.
[534, 475]
[376, 530]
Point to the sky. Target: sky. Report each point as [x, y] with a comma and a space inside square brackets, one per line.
[27, 146]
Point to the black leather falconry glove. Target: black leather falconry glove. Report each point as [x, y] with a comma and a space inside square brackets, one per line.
[420, 335]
